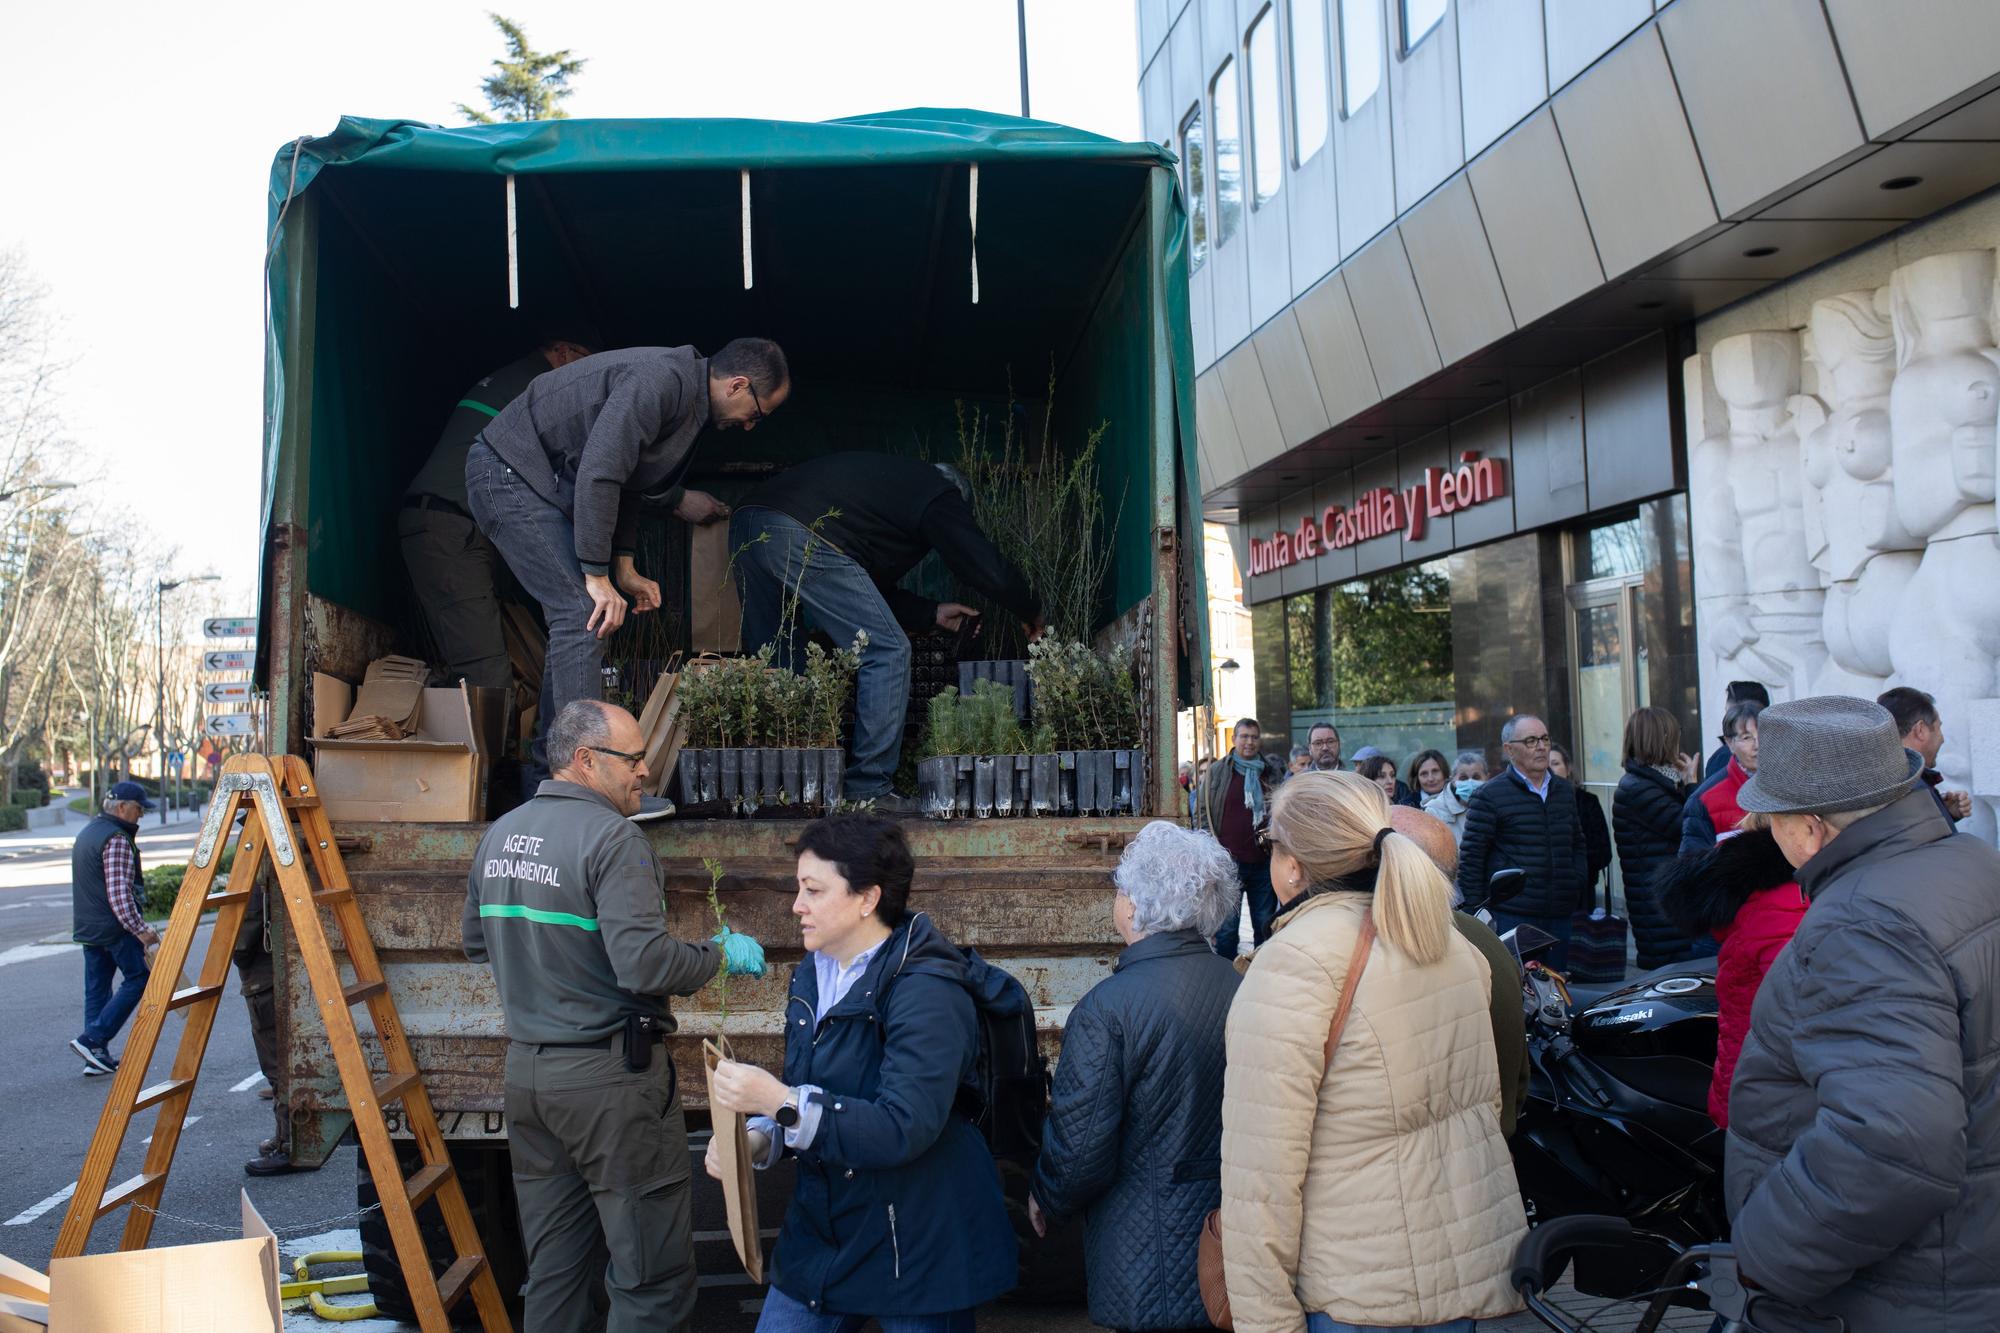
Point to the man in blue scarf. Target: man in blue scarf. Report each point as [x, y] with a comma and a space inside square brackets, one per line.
[1235, 802]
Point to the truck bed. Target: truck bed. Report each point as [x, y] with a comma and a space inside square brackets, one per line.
[1033, 895]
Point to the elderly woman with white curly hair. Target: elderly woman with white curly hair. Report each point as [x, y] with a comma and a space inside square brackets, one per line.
[1134, 1137]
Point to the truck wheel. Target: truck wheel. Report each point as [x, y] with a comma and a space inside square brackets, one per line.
[485, 1174]
[1051, 1268]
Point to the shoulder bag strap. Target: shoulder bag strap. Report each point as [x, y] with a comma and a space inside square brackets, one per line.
[1355, 966]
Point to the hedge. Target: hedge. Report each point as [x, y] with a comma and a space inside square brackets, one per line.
[12, 819]
[163, 883]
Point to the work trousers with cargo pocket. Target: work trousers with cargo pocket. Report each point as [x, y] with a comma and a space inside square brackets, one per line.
[601, 1174]
[455, 573]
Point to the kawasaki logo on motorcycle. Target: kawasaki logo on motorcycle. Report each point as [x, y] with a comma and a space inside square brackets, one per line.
[1636, 1016]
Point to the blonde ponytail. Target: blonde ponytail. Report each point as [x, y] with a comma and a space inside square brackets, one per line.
[1332, 823]
[1412, 901]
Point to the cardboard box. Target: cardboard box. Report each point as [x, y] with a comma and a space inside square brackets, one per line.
[432, 776]
[227, 1287]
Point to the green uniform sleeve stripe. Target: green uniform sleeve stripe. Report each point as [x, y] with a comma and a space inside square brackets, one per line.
[537, 914]
[478, 406]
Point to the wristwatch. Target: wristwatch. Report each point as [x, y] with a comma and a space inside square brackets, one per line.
[787, 1115]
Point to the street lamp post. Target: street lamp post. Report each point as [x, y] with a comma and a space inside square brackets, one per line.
[160, 591]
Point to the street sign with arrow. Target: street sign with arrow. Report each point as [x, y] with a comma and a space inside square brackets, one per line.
[229, 627]
[227, 692]
[232, 724]
[229, 659]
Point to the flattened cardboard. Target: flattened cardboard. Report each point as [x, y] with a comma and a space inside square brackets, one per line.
[22, 1282]
[230, 1286]
[715, 611]
[433, 776]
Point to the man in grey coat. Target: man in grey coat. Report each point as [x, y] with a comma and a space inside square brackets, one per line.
[1863, 1173]
[556, 482]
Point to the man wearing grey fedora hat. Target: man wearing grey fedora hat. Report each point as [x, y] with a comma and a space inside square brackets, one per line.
[1863, 1168]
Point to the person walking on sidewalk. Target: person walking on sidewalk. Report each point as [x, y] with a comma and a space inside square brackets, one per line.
[104, 905]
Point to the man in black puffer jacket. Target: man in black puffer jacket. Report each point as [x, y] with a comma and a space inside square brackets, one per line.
[1134, 1137]
[1526, 819]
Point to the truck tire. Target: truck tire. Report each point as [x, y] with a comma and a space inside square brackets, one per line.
[1051, 1267]
[486, 1176]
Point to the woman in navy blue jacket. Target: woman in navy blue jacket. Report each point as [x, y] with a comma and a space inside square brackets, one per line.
[896, 1214]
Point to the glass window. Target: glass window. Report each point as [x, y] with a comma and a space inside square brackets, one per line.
[1613, 549]
[1360, 53]
[1267, 153]
[1308, 79]
[1419, 17]
[1224, 116]
[1194, 183]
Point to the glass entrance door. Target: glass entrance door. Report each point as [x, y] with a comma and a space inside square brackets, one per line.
[1606, 631]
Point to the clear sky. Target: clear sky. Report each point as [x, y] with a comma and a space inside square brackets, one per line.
[133, 171]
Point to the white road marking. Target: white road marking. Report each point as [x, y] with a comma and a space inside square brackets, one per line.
[184, 1124]
[248, 1083]
[8, 907]
[28, 1215]
[28, 953]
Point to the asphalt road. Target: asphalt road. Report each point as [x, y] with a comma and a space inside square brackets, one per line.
[48, 1110]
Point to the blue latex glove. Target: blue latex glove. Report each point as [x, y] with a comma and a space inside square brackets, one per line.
[741, 955]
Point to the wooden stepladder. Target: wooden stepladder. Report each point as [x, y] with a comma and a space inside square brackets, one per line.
[287, 827]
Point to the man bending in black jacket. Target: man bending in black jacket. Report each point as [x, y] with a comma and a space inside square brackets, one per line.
[841, 529]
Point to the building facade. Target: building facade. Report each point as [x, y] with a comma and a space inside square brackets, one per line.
[1514, 386]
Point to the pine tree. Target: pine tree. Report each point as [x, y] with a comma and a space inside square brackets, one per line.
[527, 84]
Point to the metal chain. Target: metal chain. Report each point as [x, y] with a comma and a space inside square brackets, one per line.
[235, 1232]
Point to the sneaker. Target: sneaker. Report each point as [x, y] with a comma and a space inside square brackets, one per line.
[96, 1059]
[894, 803]
[652, 807]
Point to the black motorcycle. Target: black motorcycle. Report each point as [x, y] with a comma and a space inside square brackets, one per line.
[1616, 1121]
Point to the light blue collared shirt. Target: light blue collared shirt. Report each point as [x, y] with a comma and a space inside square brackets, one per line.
[835, 982]
[1541, 791]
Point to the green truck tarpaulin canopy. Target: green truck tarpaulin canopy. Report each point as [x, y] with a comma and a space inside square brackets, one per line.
[362, 154]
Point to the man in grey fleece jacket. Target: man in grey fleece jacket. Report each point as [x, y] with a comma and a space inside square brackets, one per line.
[556, 482]
[565, 899]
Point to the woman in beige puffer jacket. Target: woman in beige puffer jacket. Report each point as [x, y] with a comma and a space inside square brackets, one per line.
[1375, 1192]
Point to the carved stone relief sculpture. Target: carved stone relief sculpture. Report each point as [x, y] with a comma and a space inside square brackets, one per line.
[1871, 558]
[1777, 625]
[1854, 536]
[1942, 411]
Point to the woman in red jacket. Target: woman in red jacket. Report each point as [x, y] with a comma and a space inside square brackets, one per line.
[1741, 890]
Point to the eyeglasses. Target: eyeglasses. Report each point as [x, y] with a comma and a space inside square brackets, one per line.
[1739, 738]
[1531, 742]
[755, 402]
[632, 757]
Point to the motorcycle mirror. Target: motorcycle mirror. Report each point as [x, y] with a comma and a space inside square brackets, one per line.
[1504, 885]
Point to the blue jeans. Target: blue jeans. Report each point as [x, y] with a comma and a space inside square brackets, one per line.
[104, 1013]
[836, 597]
[538, 542]
[782, 1314]
[1561, 927]
[1319, 1323]
[1256, 879]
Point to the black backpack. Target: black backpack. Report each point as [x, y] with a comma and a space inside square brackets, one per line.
[1008, 1097]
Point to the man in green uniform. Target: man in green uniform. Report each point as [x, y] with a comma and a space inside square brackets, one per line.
[565, 899]
[453, 568]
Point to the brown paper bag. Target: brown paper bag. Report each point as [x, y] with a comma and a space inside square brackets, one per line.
[715, 611]
[739, 1175]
